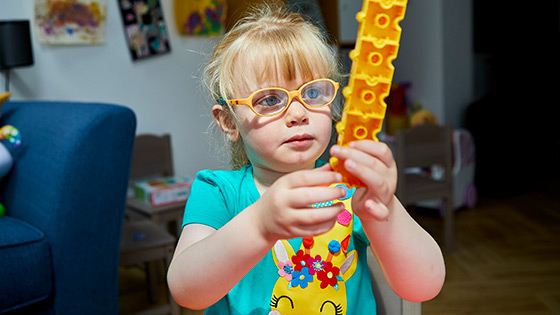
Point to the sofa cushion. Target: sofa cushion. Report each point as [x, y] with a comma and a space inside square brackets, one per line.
[25, 264]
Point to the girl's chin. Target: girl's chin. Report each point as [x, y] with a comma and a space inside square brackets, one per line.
[286, 161]
[299, 163]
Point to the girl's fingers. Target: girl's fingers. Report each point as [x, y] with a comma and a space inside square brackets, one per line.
[378, 209]
[310, 178]
[326, 167]
[359, 157]
[307, 196]
[311, 231]
[366, 152]
[366, 174]
[372, 163]
[377, 149]
[310, 217]
[375, 181]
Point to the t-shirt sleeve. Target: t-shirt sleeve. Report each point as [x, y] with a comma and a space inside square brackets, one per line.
[358, 231]
[206, 203]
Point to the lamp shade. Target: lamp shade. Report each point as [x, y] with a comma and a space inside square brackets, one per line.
[15, 44]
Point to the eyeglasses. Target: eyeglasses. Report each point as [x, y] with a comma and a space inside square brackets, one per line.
[274, 101]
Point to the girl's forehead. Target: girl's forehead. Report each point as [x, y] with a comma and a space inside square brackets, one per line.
[272, 73]
[254, 81]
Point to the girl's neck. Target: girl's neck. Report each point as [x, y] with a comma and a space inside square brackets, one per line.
[265, 177]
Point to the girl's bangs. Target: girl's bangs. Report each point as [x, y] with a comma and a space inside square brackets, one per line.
[280, 57]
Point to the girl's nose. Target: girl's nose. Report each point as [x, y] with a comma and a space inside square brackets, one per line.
[296, 114]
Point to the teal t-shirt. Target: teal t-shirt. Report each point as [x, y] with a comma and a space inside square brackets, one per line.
[218, 196]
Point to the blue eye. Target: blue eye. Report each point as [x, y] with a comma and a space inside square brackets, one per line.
[272, 100]
[312, 93]
[269, 101]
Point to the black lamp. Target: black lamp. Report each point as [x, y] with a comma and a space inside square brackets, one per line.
[15, 46]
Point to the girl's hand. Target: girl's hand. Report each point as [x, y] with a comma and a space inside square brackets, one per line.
[372, 162]
[284, 211]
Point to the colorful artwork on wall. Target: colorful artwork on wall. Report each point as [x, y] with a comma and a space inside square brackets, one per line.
[70, 22]
[144, 27]
[200, 17]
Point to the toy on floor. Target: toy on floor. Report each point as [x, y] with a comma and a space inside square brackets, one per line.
[13, 136]
[371, 74]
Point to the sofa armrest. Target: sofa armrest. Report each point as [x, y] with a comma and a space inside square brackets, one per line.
[69, 180]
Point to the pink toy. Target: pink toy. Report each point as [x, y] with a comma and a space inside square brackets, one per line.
[463, 169]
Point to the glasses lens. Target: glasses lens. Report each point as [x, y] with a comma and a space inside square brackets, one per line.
[318, 93]
[270, 101]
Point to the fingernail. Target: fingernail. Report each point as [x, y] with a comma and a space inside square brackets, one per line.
[335, 149]
[338, 177]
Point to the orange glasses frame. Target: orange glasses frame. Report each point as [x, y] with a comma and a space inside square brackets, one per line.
[291, 94]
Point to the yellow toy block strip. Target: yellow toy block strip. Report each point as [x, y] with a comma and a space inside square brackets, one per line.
[370, 79]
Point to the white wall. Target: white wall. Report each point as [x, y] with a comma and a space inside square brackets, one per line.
[435, 53]
[420, 56]
[166, 94]
[458, 62]
[164, 91]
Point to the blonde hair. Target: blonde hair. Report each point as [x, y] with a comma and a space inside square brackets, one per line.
[278, 44]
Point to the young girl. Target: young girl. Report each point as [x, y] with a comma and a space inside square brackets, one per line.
[267, 238]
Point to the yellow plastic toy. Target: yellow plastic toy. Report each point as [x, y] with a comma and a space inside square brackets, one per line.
[370, 79]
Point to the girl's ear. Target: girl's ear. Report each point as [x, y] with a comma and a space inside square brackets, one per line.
[225, 121]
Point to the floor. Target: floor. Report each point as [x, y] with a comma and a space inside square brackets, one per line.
[133, 296]
[506, 260]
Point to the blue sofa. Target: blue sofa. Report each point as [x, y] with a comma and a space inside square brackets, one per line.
[64, 199]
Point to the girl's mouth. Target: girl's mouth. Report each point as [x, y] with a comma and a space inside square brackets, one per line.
[302, 140]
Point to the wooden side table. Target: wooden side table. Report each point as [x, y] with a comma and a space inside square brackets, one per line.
[146, 242]
[169, 216]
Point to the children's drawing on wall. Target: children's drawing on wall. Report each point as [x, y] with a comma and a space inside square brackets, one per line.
[200, 17]
[144, 27]
[70, 22]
